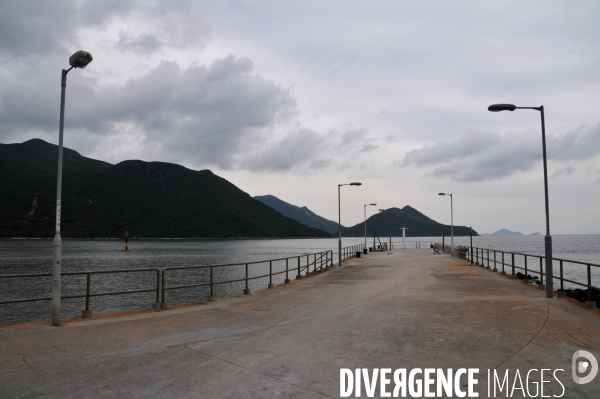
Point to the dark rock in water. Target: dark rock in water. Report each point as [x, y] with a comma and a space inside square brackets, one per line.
[582, 295]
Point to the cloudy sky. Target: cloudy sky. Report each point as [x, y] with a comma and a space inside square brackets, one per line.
[290, 98]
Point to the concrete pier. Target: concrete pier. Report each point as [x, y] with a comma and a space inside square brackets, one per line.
[405, 308]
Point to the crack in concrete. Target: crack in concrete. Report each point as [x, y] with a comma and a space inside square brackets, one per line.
[258, 372]
[22, 359]
[531, 340]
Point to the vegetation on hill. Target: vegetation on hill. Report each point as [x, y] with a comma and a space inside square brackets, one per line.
[150, 199]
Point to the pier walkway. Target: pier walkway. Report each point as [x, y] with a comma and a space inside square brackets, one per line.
[400, 309]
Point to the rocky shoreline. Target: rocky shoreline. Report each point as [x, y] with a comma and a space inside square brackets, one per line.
[578, 294]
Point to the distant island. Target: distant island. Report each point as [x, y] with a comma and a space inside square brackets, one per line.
[505, 232]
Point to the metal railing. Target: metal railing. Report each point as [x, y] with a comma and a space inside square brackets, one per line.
[413, 244]
[350, 252]
[303, 263]
[308, 264]
[88, 291]
[481, 257]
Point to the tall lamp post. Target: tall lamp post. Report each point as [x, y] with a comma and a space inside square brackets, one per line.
[548, 239]
[451, 225]
[78, 60]
[340, 220]
[366, 205]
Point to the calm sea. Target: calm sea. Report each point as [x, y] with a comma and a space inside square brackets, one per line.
[34, 256]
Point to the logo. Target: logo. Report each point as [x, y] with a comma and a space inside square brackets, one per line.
[581, 366]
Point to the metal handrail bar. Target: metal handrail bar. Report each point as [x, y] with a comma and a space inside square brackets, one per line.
[88, 293]
[318, 257]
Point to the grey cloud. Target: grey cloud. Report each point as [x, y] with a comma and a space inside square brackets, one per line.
[294, 149]
[348, 136]
[142, 44]
[203, 115]
[581, 143]
[36, 27]
[369, 147]
[320, 163]
[568, 170]
[304, 148]
[469, 143]
[480, 156]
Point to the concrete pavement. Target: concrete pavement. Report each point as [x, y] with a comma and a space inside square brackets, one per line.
[400, 309]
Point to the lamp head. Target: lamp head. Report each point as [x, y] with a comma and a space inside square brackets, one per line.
[356, 184]
[442, 194]
[502, 107]
[80, 59]
[372, 204]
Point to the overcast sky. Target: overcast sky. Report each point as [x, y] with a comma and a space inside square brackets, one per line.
[290, 98]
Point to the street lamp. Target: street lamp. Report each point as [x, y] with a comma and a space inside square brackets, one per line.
[340, 220]
[80, 59]
[451, 225]
[390, 222]
[366, 205]
[548, 239]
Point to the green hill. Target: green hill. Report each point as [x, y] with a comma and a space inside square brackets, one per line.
[151, 199]
[418, 225]
[300, 214]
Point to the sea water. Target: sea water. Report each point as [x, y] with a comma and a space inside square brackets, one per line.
[34, 256]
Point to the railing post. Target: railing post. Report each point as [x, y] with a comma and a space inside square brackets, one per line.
[525, 279]
[590, 303]
[561, 293]
[156, 305]
[270, 274]
[315, 263]
[164, 304]
[502, 272]
[488, 258]
[482, 259]
[307, 265]
[562, 282]
[246, 290]
[287, 276]
[495, 265]
[513, 266]
[211, 296]
[299, 275]
[541, 285]
[87, 313]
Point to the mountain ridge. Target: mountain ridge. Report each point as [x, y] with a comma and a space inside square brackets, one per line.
[151, 199]
[300, 214]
